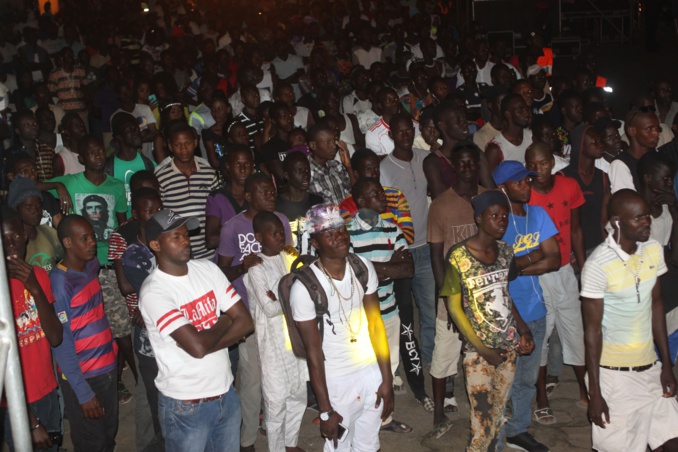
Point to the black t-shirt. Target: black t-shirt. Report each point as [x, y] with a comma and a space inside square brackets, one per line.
[274, 149]
[293, 210]
[592, 209]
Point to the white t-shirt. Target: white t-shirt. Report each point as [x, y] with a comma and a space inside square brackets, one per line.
[144, 117]
[378, 140]
[169, 302]
[342, 357]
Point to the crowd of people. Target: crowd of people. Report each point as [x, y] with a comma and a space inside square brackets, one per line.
[246, 211]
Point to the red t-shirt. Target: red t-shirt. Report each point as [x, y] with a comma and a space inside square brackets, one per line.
[35, 352]
[558, 204]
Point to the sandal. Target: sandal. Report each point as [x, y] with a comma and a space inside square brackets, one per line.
[551, 386]
[545, 416]
[396, 427]
[427, 403]
[439, 430]
[450, 405]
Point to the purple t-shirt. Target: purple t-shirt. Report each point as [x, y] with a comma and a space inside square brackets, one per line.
[219, 206]
[237, 240]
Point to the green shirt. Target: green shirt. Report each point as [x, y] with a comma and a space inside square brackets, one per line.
[44, 250]
[123, 170]
[98, 204]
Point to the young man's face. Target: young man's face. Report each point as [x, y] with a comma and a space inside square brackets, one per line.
[373, 198]
[573, 110]
[548, 135]
[182, 145]
[456, 126]
[239, 166]
[82, 243]
[635, 221]
[146, 209]
[324, 145]
[75, 128]
[46, 121]
[262, 197]
[23, 168]
[369, 167]
[272, 238]
[645, 130]
[251, 98]
[402, 134]
[494, 220]
[541, 163]
[131, 135]
[174, 246]
[298, 174]
[612, 140]
[593, 145]
[389, 103]
[14, 239]
[30, 211]
[28, 128]
[286, 95]
[93, 156]
[284, 120]
[466, 165]
[333, 243]
[519, 112]
[519, 191]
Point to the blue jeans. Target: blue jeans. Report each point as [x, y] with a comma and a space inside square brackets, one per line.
[423, 287]
[524, 386]
[47, 410]
[198, 427]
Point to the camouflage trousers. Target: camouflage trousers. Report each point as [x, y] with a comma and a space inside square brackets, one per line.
[488, 390]
[115, 306]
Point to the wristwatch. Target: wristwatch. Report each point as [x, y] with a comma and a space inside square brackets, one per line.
[326, 416]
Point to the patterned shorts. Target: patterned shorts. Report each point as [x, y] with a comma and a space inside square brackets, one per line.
[114, 304]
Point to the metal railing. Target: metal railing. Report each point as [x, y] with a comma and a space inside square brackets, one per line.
[10, 367]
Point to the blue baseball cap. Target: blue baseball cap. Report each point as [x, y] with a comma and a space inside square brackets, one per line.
[510, 171]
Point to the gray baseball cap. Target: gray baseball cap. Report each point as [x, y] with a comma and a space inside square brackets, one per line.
[165, 221]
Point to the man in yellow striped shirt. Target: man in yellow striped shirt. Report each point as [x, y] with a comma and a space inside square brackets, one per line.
[632, 395]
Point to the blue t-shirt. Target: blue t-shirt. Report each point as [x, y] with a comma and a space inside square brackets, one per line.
[525, 234]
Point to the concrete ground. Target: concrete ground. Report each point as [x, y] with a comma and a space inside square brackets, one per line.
[571, 433]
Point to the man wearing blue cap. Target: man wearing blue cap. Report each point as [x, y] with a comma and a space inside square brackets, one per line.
[531, 233]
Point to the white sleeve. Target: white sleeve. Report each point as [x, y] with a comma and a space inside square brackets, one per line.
[148, 114]
[256, 284]
[301, 304]
[372, 140]
[620, 176]
[372, 279]
[159, 311]
[593, 280]
[347, 104]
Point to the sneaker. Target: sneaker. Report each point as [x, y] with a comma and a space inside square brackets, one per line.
[525, 442]
[124, 395]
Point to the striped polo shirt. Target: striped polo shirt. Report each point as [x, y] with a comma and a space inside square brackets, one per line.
[627, 318]
[88, 349]
[377, 244]
[187, 196]
[398, 211]
[252, 125]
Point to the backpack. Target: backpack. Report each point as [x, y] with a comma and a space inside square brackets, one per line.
[301, 271]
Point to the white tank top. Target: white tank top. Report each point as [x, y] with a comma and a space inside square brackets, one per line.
[70, 160]
[509, 150]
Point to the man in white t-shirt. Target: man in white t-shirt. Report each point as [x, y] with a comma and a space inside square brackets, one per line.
[349, 366]
[192, 314]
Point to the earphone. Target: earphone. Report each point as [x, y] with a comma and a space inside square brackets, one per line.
[617, 223]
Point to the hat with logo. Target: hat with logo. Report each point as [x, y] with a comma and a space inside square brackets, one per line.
[165, 221]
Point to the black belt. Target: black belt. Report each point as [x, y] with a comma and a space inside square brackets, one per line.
[630, 369]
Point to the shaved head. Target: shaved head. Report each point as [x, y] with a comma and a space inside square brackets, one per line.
[621, 202]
